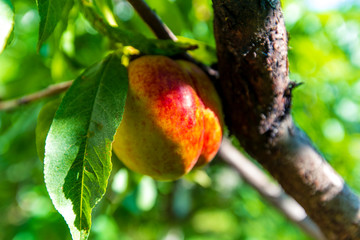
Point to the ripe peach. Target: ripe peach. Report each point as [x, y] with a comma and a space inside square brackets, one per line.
[172, 118]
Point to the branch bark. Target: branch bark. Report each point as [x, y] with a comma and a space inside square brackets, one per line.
[251, 44]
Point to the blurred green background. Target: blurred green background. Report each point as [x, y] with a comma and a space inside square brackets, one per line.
[212, 203]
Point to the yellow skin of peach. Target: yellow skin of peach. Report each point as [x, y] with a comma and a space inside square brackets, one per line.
[163, 128]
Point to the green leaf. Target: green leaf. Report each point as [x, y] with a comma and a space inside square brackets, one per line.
[105, 7]
[51, 12]
[130, 38]
[6, 23]
[78, 146]
[44, 121]
[148, 46]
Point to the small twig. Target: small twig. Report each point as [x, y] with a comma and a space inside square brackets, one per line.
[272, 192]
[162, 31]
[152, 19]
[47, 92]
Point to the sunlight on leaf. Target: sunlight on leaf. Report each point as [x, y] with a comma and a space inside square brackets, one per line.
[6, 22]
[78, 146]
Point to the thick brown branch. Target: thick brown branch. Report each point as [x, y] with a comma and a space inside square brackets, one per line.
[49, 91]
[252, 52]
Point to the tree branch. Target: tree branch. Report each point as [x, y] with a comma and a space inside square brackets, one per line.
[251, 44]
[271, 192]
[52, 90]
[160, 30]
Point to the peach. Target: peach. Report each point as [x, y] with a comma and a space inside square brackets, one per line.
[172, 119]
